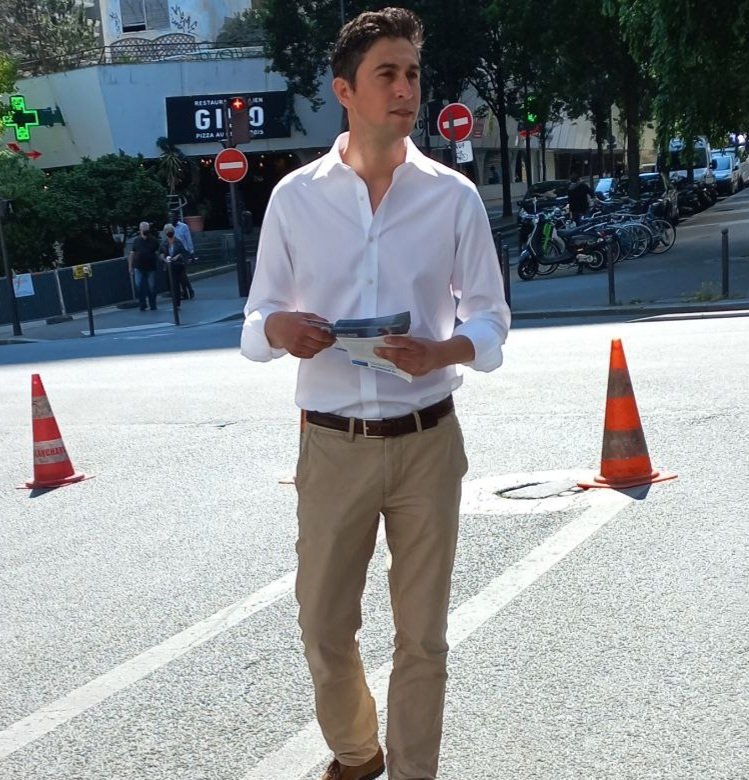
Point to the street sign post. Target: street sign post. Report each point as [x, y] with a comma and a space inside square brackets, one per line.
[231, 165]
[85, 272]
[455, 124]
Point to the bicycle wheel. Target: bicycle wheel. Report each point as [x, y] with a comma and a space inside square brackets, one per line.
[631, 240]
[664, 236]
[643, 239]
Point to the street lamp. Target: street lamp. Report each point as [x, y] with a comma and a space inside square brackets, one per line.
[6, 208]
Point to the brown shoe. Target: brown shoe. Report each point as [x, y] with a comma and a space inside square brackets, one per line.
[368, 771]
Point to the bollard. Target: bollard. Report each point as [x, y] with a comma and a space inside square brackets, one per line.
[506, 273]
[724, 262]
[612, 286]
[89, 309]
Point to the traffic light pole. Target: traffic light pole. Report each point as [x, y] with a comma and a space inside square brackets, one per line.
[9, 275]
[243, 279]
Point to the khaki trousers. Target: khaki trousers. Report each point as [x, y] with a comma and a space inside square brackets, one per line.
[344, 483]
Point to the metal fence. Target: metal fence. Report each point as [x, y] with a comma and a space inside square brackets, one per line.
[57, 292]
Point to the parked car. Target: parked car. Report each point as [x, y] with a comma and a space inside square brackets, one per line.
[656, 188]
[544, 195]
[727, 174]
[608, 188]
[742, 159]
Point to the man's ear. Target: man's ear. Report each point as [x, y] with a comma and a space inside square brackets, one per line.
[342, 90]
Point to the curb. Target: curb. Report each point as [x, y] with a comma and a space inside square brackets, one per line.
[735, 309]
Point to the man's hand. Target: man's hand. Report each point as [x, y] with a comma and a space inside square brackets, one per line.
[291, 331]
[420, 356]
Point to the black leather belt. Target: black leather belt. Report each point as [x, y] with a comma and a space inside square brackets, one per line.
[390, 426]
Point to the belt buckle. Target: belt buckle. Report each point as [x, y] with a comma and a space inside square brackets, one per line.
[366, 434]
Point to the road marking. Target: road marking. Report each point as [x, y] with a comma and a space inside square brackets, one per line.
[295, 759]
[305, 750]
[49, 717]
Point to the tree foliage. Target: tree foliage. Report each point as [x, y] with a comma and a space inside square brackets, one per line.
[99, 196]
[678, 61]
[42, 34]
[694, 52]
[8, 73]
[243, 29]
[27, 237]
[78, 207]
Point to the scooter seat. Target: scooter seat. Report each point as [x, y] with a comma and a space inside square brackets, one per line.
[569, 232]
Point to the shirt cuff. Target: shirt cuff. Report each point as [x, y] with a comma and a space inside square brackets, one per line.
[254, 344]
[487, 344]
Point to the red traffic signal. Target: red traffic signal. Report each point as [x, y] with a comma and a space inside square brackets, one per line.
[237, 104]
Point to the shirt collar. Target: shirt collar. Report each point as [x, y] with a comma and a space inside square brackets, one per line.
[333, 159]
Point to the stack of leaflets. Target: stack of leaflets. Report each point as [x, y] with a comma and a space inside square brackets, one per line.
[360, 337]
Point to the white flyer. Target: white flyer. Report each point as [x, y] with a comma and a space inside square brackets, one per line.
[360, 338]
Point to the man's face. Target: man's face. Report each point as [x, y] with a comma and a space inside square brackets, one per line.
[384, 102]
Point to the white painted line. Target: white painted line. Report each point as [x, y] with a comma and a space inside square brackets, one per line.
[305, 750]
[129, 328]
[228, 166]
[459, 122]
[49, 717]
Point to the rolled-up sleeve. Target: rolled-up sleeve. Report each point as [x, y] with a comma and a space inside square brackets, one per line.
[477, 282]
[273, 287]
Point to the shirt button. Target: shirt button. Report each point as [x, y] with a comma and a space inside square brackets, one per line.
[370, 281]
[371, 239]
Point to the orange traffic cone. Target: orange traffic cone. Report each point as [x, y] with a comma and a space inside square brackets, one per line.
[625, 461]
[52, 466]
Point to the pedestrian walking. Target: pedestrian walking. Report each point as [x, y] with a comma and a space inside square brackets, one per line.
[141, 263]
[580, 197]
[374, 228]
[182, 232]
[174, 255]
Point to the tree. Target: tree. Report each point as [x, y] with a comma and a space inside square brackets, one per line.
[42, 34]
[174, 168]
[87, 203]
[694, 54]
[28, 239]
[243, 29]
[8, 74]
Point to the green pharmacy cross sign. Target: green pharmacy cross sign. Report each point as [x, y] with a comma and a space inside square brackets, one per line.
[20, 118]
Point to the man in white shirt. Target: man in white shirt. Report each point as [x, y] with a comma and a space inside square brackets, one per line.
[371, 229]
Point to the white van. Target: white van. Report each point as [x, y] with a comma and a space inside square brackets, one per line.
[702, 161]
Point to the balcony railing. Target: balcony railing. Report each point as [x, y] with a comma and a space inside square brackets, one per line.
[169, 47]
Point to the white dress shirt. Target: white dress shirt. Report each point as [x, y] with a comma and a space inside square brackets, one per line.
[323, 251]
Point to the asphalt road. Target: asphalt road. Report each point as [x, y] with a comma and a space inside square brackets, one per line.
[147, 627]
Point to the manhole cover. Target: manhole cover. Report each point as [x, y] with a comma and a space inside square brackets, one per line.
[527, 494]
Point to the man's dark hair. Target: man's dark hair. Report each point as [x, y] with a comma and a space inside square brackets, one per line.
[357, 37]
[574, 176]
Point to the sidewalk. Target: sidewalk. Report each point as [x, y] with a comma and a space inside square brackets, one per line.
[216, 299]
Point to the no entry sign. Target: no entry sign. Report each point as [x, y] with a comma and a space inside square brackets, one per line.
[455, 122]
[230, 165]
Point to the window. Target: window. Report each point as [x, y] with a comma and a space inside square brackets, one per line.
[139, 15]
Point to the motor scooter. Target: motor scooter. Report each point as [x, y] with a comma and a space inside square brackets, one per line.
[549, 246]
